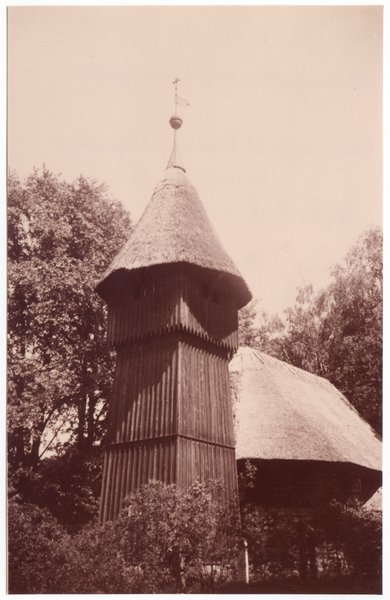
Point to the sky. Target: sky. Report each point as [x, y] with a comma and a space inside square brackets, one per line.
[282, 138]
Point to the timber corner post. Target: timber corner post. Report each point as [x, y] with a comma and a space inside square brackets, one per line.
[173, 296]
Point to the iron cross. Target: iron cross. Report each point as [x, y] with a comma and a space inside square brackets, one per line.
[175, 84]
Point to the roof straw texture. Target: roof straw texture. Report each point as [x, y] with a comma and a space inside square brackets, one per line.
[282, 412]
[175, 228]
[375, 502]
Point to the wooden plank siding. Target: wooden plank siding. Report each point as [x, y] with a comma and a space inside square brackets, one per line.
[204, 392]
[170, 416]
[171, 300]
[176, 460]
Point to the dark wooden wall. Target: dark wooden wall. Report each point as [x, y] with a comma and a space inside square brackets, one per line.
[308, 484]
[175, 297]
[170, 415]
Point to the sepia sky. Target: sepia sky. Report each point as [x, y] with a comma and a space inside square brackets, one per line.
[282, 139]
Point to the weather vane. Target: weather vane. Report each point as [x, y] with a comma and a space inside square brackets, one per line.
[179, 100]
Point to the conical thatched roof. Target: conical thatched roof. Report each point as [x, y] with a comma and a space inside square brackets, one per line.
[282, 412]
[175, 228]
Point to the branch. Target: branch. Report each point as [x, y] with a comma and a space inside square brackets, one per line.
[52, 439]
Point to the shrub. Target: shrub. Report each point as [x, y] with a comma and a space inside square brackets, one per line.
[165, 540]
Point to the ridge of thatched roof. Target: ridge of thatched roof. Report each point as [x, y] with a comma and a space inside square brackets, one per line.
[175, 228]
[282, 412]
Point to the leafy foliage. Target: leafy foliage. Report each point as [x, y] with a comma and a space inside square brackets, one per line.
[259, 330]
[166, 540]
[336, 333]
[169, 540]
[352, 326]
[67, 485]
[339, 539]
[61, 238]
[33, 536]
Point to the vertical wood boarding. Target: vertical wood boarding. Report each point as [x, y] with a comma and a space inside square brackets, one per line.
[174, 301]
[170, 416]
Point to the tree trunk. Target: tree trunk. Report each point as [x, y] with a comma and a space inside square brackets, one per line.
[34, 453]
[303, 561]
[90, 422]
[81, 423]
[19, 445]
[312, 556]
[82, 408]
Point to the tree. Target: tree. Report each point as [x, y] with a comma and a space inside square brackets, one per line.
[264, 335]
[352, 333]
[67, 485]
[61, 238]
[300, 345]
[335, 333]
[248, 333]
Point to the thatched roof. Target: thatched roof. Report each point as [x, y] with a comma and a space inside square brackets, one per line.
[175, 228]
[282, 412]
[375, 502]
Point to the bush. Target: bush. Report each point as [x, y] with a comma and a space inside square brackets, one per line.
[33, 538]
[165, 540]
[334, 540]
[169, 540]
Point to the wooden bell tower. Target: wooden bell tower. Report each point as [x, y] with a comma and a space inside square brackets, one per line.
[173, 297]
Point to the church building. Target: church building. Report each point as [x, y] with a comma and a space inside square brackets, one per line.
[173, 296]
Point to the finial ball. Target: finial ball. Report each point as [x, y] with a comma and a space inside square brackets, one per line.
[175, 122]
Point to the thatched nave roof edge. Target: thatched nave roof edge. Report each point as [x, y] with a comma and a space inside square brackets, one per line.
[282, 412]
